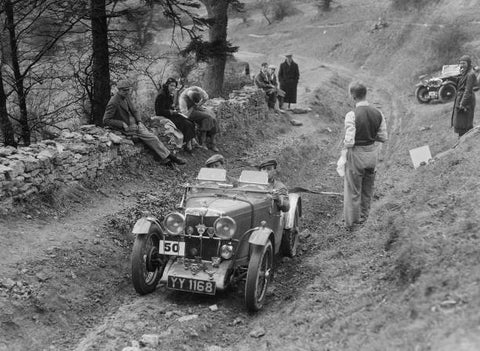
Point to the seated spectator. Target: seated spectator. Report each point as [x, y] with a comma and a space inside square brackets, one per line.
[262, 81]
[164, 106]
[191, 102]
[279, 92]
[122, 115]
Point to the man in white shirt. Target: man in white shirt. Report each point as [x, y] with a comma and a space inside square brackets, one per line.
[364, 126]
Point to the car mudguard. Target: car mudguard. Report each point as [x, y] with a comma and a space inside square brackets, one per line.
[295, 202]
[420, 84]
[260, 236]
[142, 226]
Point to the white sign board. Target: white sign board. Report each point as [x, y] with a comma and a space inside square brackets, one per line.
[420, 155]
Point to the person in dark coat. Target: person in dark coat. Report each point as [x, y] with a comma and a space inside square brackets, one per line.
[164, 106]
[262, 81]
[464, 107]
[288, 76]
[121, 114]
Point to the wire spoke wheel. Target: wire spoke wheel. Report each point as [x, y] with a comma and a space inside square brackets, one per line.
[258, 276]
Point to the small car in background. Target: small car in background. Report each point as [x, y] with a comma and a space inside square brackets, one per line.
[442, 88]
[223, 235]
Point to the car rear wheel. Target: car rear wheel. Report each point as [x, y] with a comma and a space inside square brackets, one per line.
[147, 263]
[290, 238]
[258, 276]
[422, 94]
[447, 92]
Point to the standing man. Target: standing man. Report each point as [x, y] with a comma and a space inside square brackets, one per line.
[288, 75]
[363, 127]
[464, 106]
[122, 115]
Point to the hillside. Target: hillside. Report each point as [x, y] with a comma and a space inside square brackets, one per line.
[408, 279]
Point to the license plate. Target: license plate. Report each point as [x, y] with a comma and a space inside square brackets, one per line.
[193, 285]
[172, 248]
[432, 93]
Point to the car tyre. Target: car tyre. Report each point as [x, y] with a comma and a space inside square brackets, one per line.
[422, 94]
[290, 238]
[147, 263]
[447, 92]
[260, 269]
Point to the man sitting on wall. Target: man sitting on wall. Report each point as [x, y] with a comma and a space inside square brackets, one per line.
[262, 81]
[121, 114]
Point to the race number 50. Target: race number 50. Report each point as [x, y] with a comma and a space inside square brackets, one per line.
[173, 248]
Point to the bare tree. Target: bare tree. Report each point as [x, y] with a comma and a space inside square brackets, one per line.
[30, 47]
[5, 123]
[100, 59]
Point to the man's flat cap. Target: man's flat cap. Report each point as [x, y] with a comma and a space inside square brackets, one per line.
[288, 55]
[215, 158]
[267, 163]
[272, 66]
[124, 83]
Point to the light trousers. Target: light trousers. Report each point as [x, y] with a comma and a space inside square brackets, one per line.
[151, 140]
[359, 182]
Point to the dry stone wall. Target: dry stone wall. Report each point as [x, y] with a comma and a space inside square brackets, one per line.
[85, 153]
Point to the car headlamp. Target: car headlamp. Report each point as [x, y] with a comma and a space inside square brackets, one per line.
[225, 227]
[226, 251]
[174, 223]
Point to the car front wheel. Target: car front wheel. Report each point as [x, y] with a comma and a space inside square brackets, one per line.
[147, 263]
[258, 276]
[447, 92]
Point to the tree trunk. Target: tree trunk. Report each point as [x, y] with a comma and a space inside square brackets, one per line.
[100, 67]
[5, 123]
[19, 88]
[214, 74]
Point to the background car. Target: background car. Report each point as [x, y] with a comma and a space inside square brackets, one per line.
[224, 235]
[442, 88]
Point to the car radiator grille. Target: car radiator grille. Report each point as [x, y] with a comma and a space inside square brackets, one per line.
[204, 246]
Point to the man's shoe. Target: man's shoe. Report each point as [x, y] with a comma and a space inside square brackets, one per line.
[176, 159]
[214, 148]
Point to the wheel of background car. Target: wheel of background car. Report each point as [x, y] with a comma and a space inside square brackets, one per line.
[258, 276]
[290, 238]
[447, 92]
[147, 263]
[422, 94]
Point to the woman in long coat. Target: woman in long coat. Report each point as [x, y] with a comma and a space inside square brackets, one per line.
[288, 76]
[464, 107]
[164, 106]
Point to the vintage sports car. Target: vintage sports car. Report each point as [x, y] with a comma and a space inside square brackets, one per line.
[442, 88]
[224, 235]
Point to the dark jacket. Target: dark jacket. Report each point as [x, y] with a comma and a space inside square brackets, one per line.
[262, 81]
[288, 76]
[462, 120]
[118, 111]
[164, 104]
